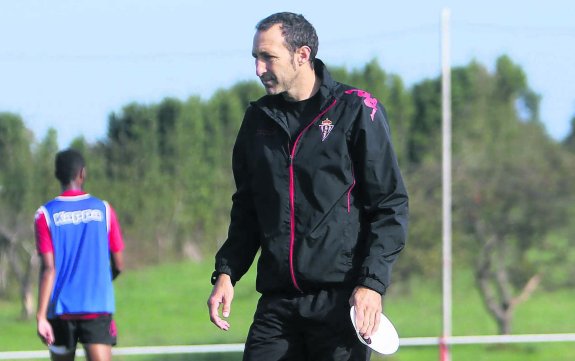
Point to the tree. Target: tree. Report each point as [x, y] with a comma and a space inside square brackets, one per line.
[423, 251]
[569, 141]
[17, 202]
[133, 166]
[509, 191]
[424, 132]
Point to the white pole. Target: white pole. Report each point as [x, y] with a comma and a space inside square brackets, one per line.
[446, 181]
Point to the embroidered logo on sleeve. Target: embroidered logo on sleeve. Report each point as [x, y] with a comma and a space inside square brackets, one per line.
[367, 100]
[325, 126]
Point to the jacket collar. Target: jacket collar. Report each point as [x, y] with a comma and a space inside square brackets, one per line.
[328, 85]
[269, 103]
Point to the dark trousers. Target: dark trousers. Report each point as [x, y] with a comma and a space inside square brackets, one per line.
[308, 327]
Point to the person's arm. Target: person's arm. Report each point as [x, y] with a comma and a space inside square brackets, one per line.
[116, 244]
[237, 253]
[117, 263]
[384, 201]
[383, 197]
[47, 274]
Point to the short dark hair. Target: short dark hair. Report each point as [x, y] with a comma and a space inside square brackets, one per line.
[296, 30]
[68, 165]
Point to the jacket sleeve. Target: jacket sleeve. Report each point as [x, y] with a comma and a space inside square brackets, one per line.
[382, 194]
[239, 250]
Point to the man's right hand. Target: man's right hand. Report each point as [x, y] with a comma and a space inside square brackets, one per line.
[222, 294]
[45, 331]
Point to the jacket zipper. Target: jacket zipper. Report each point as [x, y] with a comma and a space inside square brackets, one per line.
[349, 196]
[292, 197]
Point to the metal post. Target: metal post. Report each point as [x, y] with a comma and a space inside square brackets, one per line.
[446, 181]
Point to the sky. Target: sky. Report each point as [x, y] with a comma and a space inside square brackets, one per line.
[69, 64]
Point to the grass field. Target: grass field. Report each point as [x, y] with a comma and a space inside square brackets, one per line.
[166, 305]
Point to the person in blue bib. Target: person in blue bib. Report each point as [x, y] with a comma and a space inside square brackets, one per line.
[80, 244]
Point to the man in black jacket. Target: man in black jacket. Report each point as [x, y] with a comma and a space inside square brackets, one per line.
[320, 194]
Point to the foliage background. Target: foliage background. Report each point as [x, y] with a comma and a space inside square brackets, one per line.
[166, 169]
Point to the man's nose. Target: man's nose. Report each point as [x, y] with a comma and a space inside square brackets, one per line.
[260, 68]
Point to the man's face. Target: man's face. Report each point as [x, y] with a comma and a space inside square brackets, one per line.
[275, 64]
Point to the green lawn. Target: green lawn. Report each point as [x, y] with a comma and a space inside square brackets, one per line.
[166, 305]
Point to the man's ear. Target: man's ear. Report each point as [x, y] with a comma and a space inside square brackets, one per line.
[303, 55]
[82, 174]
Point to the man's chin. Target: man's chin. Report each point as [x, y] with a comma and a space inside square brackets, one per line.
[271, 91]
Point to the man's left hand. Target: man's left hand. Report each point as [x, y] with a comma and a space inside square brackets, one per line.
[368, 307]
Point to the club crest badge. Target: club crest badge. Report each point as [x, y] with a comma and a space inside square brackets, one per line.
[325, 126]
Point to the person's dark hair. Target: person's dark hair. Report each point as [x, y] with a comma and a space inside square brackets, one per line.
[68, 164]
[296, 30]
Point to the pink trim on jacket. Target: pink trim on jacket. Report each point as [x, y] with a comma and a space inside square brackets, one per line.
[292, 196]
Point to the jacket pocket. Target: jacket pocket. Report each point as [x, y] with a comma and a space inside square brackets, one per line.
[326, 254]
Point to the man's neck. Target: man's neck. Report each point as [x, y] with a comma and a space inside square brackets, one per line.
[309, 85]
[73, 186]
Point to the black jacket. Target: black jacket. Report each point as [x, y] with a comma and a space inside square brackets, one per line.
[327, 209]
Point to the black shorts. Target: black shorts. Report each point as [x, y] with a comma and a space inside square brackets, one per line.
[313, 326]
[99, 330]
